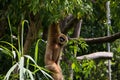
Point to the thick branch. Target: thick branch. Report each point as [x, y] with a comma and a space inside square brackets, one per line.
[68, 23]
[77, 29]
[96, 55]
[101, 39]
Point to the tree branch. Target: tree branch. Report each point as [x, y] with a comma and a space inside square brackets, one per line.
[77, 29]
[96, 55]
[104, 39]
[67, 23]
[101, 39]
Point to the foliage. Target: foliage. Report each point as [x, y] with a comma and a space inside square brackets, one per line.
[74, 47]
[116, 60]
[56, 9]
[52, 9]
[19, 66]
[93, 14]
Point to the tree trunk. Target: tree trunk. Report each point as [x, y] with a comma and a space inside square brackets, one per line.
[32, 34]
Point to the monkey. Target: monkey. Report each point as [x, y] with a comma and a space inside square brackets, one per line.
[55, 43]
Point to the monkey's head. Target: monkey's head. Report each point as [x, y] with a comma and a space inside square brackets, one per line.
[62, 39]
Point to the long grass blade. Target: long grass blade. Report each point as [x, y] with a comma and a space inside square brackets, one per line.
[40, 68]
[10, 71]
[29, 57]
[44, 73]
[27, 64]
[19, 46]
[12, 47]
[21, 66]
[10, 30]
[23, 22]
[6, 50]
[30, 74]
[36, 51]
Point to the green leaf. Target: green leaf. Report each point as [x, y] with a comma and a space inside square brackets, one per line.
[36, 51]
[73, 65]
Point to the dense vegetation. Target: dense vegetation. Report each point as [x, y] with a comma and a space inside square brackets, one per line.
[23, 31]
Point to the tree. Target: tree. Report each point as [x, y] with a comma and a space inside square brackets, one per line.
[41, 13]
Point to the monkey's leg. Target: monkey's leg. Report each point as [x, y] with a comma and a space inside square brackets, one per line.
[53, 67]
[57, 76]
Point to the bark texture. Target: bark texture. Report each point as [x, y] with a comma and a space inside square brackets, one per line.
[32, 32]
[96, 55]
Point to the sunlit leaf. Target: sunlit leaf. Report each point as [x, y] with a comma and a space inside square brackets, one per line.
[36, 51]
[73, 65]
